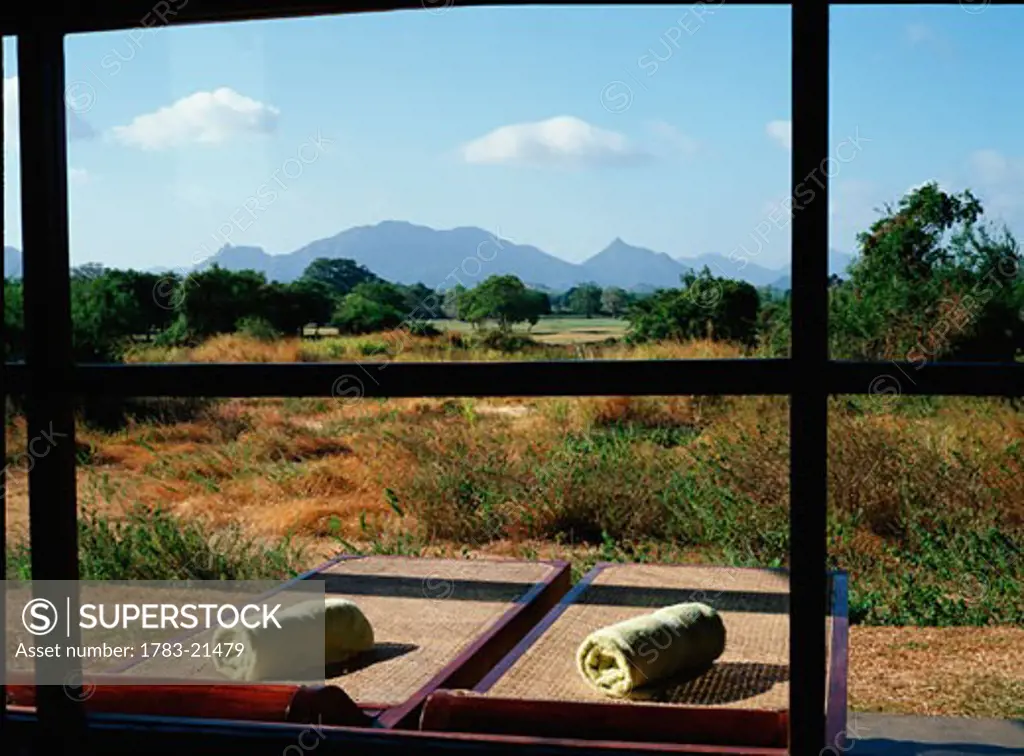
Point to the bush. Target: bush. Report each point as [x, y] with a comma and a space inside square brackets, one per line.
[257, 328]
[708, 307]
[151, 544]
[931, 282]
[422, 328]
[358, 313]
[504, 341]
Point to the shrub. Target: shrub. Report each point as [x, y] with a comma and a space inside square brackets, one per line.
[422, 328]
[505, 341]
[358, 313]
[257, 328]
[707, 307]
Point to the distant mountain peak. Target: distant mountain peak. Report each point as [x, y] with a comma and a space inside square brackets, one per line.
[406, 252]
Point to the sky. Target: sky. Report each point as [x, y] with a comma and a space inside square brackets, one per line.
[563, 128]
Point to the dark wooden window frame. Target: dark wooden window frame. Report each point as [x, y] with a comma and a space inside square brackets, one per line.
[49, 379]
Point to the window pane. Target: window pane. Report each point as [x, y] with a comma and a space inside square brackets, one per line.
[929, 212]
[265, 488]
[386, 160]
[13, 316]
[926, 498]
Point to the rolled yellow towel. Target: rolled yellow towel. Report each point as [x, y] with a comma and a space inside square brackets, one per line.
[651, 648]
[280, 654]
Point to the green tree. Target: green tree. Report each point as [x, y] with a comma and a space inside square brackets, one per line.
[932, 282]
[289, 307]
[451, 299]
[503, 299]
[706, 307]
[88, 270]
[214, 300]
[585, 299]
[358, 313]
[614, 301]
[340, 275]
[104, 315]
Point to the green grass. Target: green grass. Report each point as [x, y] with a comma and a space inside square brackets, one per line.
[151, 544]
[553, 325]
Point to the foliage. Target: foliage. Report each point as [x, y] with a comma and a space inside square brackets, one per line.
[584, 299]
[931, 282]
[151, 544]
[214, 300]
[339, 276]
[505, 300]
[104, 312]
[422, 328]
[707, 307]
[14, 320]
[615, 301]
[288, 307]
[257, 328]
[370, 306]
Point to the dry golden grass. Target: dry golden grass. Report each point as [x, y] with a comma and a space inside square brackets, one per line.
[402, 347]
[957, 671]
[322, 469]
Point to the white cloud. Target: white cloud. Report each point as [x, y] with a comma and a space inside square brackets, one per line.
[781, 132]
[676, 141]
[78, 176]
[203, 117]
[563, 139]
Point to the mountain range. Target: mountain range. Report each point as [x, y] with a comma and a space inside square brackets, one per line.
[406, 253]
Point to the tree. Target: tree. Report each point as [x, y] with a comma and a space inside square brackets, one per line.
[932, 282]
[289, 307]
[451, 299]
[706, 307]
[214, 300]
[88, 270]
[358, 313]
[614, 301]
[585, 299]
[385, 293]
[340, 275]
[505, 300]
[534, 304]
[104, 314]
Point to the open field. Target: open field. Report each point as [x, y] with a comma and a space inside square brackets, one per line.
[550, 329]
[556, 330]
[926, 495]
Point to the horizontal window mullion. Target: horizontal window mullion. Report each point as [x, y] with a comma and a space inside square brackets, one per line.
[583, 378]
[426, 379]
[926, 378]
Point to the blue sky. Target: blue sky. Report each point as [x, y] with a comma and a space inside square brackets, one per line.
[558, 127]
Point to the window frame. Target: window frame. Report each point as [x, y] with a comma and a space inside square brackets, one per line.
[49, 379]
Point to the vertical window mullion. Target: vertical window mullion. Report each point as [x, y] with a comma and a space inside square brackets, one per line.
[808, 406]
[53, 521]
